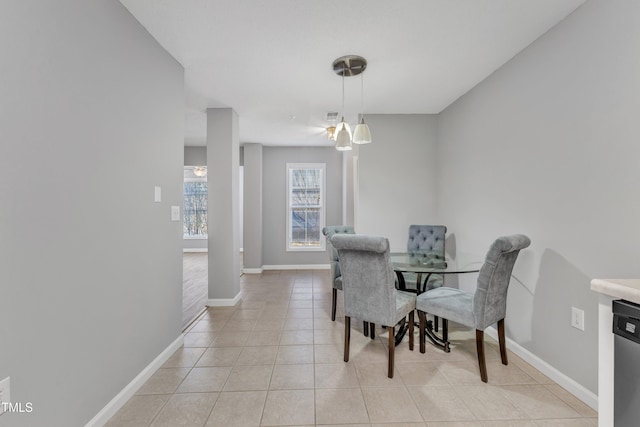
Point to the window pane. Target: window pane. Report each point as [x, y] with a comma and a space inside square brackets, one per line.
[305, 227]
[195, 209]
[305, 206]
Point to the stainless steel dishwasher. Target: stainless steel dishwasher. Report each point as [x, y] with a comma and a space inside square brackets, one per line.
[626, 398]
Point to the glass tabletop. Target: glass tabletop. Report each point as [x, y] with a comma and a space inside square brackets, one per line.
[428, 263]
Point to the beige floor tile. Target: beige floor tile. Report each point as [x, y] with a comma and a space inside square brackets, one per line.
[249, 378]
[198, 339]
[164, 381]
[296, 337]
[328, 336]
[580, 407]
[239, 325]
[461, 373]
[219, 356]
[209, 325]
[300, 313]
[288, 354]
[579, 422]
[292, 377]
[511, 374]
[425, 373]
[289, 407]
[190, 409]
[390, 404]
[488, 402]
[261, 338]
[203, 380]
[509, 423]
[357, 425]
[138, 410]
[399, 425]
[376, 375]
[293, 324]
[340, 375]
[246, 313]
[345, 406]
[454, 424]
[328, 353]
[184, 357]
[366, 350]
[538, 402]
[269, 325]
[238, 409]
[263, 355]
[230, 339]
[329, 324]
[440, 403]
[301, 303]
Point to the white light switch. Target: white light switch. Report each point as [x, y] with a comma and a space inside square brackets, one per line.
[157, 194]
[175, 213]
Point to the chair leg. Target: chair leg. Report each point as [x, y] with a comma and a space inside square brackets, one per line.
[372, 330]
[347, 337]
[445, 330]
[435, 323]
[333, 304]
[392, 349]
[480, 348]
[365, 328]
[411, 330]
[422, 317]
[503, 344]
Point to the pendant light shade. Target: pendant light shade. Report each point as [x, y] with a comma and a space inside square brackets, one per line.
[343, 140]
[362, 134]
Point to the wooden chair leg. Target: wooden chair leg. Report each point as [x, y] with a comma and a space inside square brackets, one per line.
[372, 330]
[503, 344]
[392, 349]
[333, 304]
[347, 337]
[435, 323]
[422, 316]
[480, 348]
[445, 330]
[411, 331]
[365, 328]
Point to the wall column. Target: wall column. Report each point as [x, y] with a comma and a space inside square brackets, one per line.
[252, 208]
[223, 163]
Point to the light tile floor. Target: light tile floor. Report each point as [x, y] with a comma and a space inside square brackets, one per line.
[276, 360]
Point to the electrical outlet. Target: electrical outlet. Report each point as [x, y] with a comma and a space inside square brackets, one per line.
[577, 318]
[5, 393]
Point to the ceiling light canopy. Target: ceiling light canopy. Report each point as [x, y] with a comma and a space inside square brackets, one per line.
[348, 66]
[200, 171]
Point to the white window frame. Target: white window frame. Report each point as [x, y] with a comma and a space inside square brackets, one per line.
[322, 205]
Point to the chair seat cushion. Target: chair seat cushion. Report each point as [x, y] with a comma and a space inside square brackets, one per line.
[337, 283]
[448, 303]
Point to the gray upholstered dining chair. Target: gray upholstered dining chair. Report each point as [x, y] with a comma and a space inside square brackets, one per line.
[336, 276]
[368, 283]
[426, 241]
[486, 306]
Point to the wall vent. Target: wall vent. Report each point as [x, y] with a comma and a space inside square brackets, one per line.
[332, 116]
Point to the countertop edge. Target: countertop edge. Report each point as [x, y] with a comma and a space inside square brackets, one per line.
[628, 289]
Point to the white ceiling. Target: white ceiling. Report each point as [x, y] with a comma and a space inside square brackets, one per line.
[271, 60]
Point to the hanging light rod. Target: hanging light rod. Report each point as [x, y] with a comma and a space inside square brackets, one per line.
[349, 65]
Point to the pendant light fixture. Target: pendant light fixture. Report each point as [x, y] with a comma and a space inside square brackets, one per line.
[362, 134]
[343, 138]
[347, 66]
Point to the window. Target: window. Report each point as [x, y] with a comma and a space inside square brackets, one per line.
[305, 206]
[195, 208]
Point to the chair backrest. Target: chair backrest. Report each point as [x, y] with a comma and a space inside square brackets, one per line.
[490, 299]
[329, 231]
[367, 278]
[427, 241]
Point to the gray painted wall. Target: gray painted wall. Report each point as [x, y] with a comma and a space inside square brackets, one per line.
[195, 156]
[253, 205]
[397, 176]
[90, 267]
[548, 146]
[274, 204]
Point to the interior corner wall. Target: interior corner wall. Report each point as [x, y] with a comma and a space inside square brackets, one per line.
[195, 156]
[91, 120]
[274, 193]
[397, 176]
[548, 146]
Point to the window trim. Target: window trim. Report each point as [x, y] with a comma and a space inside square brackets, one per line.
[323, 207]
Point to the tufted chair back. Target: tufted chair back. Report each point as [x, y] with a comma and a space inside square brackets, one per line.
[329, 231]
[490, 299]
[426, 240]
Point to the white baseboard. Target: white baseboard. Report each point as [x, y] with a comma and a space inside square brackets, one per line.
[573, 387]
[195, 250]
[130, 389]
[223, 302]
[252, 270]
[297, 267]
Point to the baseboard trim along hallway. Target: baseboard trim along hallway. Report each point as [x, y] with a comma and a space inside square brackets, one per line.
[223, 302]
